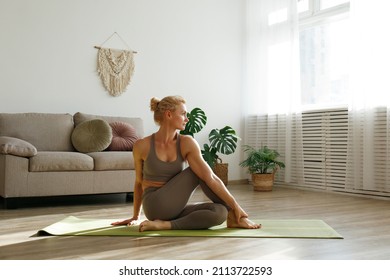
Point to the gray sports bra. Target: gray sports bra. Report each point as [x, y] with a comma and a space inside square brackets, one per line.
[157, 170]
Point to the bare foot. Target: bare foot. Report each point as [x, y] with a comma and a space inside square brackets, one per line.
[243, 222]
[154, 225]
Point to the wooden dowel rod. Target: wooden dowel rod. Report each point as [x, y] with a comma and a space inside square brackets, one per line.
[97, 47]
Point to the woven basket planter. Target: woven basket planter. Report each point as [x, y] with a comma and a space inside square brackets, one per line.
[221, 170]
[263, 182]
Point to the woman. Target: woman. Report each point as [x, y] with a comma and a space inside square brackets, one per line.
[163, 188]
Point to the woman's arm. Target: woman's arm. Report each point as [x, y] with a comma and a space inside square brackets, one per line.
[138, 191]
[193, 155]
[137, 197]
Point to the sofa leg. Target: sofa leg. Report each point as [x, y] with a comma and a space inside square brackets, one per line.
[129, 197]
[10, 203]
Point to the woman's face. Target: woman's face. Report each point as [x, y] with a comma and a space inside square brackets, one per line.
[179, 117]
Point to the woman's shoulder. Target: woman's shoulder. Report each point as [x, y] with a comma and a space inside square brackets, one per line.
[184, 137]
[142, 142]
[188, 141]
[145, 139]
[141, 147]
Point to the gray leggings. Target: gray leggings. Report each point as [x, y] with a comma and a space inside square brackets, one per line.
[170, 203]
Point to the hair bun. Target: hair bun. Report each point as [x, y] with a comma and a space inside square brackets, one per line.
[154, 104]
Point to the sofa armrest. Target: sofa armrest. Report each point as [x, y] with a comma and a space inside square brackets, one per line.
[16, 147]
[13, 176]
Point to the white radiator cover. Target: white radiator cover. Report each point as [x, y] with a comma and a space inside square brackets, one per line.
[319, 149]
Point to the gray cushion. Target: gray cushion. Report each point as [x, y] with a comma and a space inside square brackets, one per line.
[60, 161]
[113, 160]
[92, 136]
[47, 132]
[16, 147]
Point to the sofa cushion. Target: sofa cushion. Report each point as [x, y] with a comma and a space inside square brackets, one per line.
[135, 122]
[60, 161]
[16, 147]
[92, 136]
[113, 160]
[46, 132]
[123, 137]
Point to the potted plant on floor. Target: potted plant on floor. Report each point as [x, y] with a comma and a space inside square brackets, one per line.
[262, 164]
[223, 141]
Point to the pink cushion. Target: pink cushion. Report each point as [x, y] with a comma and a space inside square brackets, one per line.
[123, 137]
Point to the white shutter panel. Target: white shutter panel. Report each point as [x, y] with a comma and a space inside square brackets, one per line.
[319, 154]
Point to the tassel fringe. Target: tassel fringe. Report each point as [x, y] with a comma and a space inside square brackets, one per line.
[115, 68]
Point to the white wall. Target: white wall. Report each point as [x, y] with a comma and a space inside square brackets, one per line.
[188, 47]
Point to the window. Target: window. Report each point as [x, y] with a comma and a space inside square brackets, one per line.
[303, 6]
[325, 4]
[314, 7]
[324, 49]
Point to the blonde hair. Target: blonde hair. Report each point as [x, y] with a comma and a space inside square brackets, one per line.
[159, 107]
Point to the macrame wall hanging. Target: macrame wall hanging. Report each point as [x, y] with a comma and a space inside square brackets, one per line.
[115, 67]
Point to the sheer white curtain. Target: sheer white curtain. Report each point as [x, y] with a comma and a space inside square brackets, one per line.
[272, 74]
[369, 104]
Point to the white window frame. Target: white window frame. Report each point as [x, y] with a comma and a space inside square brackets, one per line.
[313, 17]
[316, 16]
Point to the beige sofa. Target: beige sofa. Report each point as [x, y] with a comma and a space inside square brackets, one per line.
[38, 157]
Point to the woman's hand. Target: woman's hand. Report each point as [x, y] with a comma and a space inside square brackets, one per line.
[239, 213]
[128, 222]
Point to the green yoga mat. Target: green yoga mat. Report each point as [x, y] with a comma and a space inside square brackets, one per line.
[270, 229]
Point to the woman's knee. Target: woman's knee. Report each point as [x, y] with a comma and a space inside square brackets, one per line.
[220, 213]
[187, 178]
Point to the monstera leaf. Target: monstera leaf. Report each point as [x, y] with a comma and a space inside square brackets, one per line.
[197, 119]
[209, 154]
[224, 140]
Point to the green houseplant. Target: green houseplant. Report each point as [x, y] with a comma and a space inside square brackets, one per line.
[223, 141]
[262, 164]
[197, 119]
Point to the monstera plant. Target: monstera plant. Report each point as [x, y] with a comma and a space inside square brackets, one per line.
[197, 119]
[223, 141]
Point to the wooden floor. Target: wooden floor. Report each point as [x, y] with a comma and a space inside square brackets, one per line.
[363, 222]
